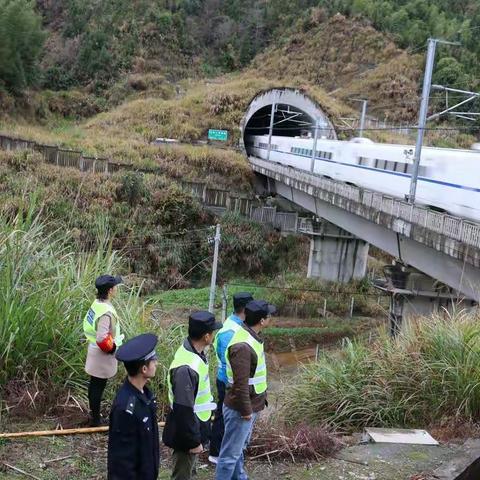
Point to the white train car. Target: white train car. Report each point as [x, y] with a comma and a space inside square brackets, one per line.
[449, 179]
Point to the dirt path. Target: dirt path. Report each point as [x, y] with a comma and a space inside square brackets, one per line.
[87, 460]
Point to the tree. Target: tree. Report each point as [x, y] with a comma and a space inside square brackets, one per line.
[450, 72]
[21, 42]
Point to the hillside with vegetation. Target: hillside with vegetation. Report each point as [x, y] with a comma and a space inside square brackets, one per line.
[153, 61]
[94, 43]
[109, 77]
[161, 230]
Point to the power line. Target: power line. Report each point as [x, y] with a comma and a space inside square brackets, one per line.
[134, 248]
[359, 292]
[189, 271]
[161, 234]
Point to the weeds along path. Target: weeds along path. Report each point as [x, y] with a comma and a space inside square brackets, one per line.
[428, 375]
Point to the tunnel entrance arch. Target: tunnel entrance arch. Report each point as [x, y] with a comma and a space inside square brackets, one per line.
[295, 114]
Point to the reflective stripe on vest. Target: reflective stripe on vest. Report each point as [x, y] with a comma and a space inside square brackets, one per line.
[204, 404]
[228, 325]
[97, 310]
[259, 380]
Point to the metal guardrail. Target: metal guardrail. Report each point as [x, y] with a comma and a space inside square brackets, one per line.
[369, 204]
[219, 201]
[223, 201]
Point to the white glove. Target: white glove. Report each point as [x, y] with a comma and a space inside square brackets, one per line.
[119, 339]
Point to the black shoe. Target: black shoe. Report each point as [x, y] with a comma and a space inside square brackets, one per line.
[98, 422]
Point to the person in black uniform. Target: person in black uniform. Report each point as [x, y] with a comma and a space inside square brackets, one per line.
[133, 439]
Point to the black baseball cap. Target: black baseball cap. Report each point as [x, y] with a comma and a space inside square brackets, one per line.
[138, 348]
[202, 322]
[241, 299]
[258, 309]
[107, 281]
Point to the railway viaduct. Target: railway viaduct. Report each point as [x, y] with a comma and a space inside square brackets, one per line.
[437, 256]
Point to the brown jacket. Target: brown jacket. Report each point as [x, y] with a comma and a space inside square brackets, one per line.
[241, 396]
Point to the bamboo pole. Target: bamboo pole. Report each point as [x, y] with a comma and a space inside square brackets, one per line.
[66, 431]
[19, 470]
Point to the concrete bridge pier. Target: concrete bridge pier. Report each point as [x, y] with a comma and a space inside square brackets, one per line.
[336, 255]
[413, 294]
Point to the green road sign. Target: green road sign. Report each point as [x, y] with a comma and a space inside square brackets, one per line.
[218, 135]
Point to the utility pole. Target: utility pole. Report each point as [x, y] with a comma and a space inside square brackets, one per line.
[224, 302]
[315, 140]
[363, 115]
[270, 130]
[422, 118]
[362, 119]
[214, 269]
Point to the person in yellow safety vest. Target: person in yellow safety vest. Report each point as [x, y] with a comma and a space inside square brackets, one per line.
[101, 327]
[222, 339]
[246, 389]
[187, 426]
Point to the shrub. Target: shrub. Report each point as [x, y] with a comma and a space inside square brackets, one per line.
[431, 371]
[132, 188]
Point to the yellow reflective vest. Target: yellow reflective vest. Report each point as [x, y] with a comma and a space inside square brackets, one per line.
[259, 380]
[204, 404]
[97, 310]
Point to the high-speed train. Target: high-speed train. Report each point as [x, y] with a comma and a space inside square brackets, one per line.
[448, 179]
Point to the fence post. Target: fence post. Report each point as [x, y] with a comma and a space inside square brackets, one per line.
[324, 308]
[352, 303]
[224, 302]
[461, 230]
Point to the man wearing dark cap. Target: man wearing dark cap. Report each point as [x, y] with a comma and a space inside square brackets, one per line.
[133, 440]
[246, 390]
[102, 330]
[222, 339]
[187, 426]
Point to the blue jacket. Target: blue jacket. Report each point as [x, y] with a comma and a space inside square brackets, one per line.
[223, 339]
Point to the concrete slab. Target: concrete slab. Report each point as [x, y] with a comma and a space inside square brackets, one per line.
[399, 435]
[376, 461]
[465, 466]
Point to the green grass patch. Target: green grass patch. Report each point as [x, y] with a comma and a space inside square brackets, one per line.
[279, 339]
[305, 331]
[197, 298]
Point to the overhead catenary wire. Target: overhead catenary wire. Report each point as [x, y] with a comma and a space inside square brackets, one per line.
[379, 129]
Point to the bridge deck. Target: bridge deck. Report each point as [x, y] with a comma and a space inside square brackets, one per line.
[455, 238]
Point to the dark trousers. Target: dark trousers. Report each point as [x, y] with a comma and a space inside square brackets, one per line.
[95, 392]
[184, 464]
[218, 427]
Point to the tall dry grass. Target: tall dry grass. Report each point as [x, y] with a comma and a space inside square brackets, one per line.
[430, 372]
